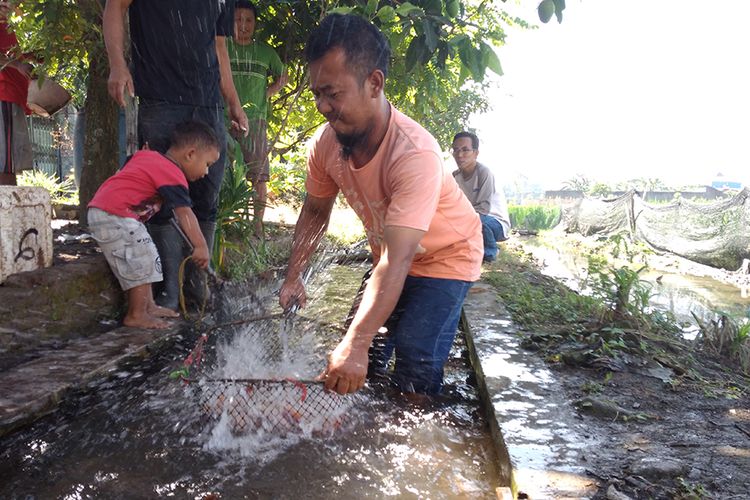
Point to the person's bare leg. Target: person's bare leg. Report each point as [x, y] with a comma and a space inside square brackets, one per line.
[159, 311]
[7, 179]
[138, 315]
[259, 206]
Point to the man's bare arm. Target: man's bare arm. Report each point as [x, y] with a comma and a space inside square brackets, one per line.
[347, 364]
[310, 228]
[113, 25]
[228, 91]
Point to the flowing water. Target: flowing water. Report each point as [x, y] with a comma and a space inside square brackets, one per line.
[141, 434]
[681, 294]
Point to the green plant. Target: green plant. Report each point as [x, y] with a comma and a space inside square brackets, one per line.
[287, 180]
[61, 192]
[533, 217]
[234, 212]
[253, 257]
[689, 491]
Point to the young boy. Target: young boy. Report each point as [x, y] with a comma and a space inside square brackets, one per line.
[129, 198]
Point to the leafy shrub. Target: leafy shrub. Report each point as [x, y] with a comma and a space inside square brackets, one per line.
[62, 192]
[533, 217]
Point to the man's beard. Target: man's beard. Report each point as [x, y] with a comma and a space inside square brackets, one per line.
[350, 141]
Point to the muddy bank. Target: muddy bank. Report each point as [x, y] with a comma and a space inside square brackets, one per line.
[658, 418]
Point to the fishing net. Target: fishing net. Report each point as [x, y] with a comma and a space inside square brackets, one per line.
[258, 376]
[713, 233]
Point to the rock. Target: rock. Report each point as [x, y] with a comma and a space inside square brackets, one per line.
[658, 468]
[613, 494]
[603, 409]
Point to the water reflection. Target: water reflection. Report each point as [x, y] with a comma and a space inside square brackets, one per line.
[681, 294]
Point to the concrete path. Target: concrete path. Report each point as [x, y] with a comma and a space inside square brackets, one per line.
[30, 390]
[531, 418]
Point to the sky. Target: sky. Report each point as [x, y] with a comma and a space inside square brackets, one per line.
[623, 90]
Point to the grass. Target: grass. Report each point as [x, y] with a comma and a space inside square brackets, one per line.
[533, 217]
[64, 193]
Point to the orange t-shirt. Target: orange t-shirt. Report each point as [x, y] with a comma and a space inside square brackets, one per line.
[403, 185]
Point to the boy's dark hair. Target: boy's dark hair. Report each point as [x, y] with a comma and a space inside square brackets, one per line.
[194, 133]
[470, 135]
[246, 4]
[365, 46]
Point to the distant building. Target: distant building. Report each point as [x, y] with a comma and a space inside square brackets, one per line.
[708, 193]
[721, 182]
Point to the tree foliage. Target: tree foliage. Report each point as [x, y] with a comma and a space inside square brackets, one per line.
[442, 53]
[61, 34]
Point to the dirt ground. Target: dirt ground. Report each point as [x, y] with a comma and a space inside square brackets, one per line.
[675, 424]
[663, 432]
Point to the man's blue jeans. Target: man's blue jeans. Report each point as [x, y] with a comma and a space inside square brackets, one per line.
[492, 232]
[156, 120]
[421, 330]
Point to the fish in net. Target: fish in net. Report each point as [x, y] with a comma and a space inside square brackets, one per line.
[260, 376]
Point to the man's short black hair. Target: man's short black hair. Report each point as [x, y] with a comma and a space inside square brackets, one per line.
[365, 46]
[194, 133]
[246, 4]
[470, 135]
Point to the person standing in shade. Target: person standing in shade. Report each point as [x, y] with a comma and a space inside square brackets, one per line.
[181, 72]
[15, 147]
[253, 62]
[478, 184]
[424, 236]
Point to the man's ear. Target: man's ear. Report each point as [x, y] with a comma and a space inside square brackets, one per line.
[376, 82]
[190, 153]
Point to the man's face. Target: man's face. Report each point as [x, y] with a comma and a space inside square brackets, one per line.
[244, 26]
[465, 154]
[341, 99]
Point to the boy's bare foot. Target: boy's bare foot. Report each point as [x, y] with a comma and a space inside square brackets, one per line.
[162, 312]
[147, 321]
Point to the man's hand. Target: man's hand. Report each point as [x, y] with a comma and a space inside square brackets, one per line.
[200, 256]
[292, 293]
[120, 81]
[347, 366]
[240, 124]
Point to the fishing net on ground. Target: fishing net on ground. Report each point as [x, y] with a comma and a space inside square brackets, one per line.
[714, 233]
[259, 376]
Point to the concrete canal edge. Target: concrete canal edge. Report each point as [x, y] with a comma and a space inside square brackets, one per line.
[472, 312]
[38, 387]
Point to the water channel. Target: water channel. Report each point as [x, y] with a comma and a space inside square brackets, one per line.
[683, 295]
[141, 434]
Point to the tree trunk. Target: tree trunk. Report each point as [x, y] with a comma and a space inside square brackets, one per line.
[101, 148]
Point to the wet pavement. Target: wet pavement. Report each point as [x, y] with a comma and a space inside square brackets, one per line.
[533, 427]
[541, 432]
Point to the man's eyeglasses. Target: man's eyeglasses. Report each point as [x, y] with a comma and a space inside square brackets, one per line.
[456, 151]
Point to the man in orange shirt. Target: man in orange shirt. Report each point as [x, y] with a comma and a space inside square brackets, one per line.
[425, 236]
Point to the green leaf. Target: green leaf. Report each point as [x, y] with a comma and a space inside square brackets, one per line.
[406, 8]
[430, 37]
[546, 9]
[372, 6]
[434, 7]
[451, 8]
[559, 8]
[341, 10]
[490, 59]
[386, 13]
[415, 52]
